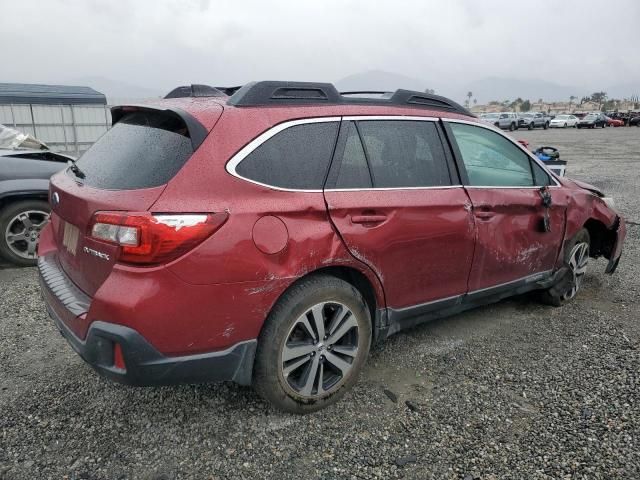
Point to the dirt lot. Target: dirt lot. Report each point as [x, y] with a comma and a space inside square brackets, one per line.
[513, 390]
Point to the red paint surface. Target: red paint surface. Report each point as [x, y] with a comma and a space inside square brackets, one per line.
[270, 235]
[421, 251]
[511, 242]
[413, 246]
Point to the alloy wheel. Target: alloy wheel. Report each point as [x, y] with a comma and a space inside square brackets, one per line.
[578, 260]
[23, 232]
[320, 350]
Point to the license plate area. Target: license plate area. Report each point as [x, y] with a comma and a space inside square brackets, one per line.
[70, 237]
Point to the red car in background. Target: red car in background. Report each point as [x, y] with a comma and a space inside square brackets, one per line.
[270, 237]
[614, 122]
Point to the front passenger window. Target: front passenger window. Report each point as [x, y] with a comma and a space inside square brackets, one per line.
[490, 159]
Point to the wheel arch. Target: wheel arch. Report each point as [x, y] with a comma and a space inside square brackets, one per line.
[369, 288]
[14, 197]
[601, 238]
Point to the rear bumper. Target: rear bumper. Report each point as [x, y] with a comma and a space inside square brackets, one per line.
[144, 365]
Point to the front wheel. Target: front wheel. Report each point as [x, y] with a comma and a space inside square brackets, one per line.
[576, 258]
[546, 125]
[512, 127]
[20, 226]
[313, 345]
[530, 126]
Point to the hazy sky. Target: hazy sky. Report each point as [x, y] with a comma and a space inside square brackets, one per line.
[165, 43]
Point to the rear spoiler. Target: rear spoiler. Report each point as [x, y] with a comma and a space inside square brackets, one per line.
[197, 131]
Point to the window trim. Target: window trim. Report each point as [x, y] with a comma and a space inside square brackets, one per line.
[462, 167]
[235, 160]
[245, 151]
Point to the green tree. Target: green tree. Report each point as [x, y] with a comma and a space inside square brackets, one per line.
[526, 106]
[599, 98]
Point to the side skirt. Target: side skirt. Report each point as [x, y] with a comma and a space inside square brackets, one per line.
[401, 319]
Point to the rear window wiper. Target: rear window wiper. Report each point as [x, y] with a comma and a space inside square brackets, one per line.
[75, 169]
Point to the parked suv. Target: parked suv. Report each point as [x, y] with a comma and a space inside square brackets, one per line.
[535, 120]
[508, 121]
[272, 236]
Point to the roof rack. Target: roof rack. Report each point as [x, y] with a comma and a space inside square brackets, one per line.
[195, 91]
[276, 93]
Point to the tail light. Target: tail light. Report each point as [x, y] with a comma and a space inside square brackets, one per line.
[153, 239]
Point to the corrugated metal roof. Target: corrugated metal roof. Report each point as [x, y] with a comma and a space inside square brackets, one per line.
[49, 94]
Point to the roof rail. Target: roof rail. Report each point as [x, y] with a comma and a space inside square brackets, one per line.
[229, 90]
[274, 93]
[195, 91]
[366, 92]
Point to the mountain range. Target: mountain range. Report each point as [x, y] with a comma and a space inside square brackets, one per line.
[484, 90]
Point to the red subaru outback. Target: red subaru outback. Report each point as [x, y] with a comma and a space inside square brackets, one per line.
[272, 235]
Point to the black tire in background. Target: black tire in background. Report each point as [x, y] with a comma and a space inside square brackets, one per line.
[11, 227]
[287, 350]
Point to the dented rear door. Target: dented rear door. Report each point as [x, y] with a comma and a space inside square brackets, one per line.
[403, 217]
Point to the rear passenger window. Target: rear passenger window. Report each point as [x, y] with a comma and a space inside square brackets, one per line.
[297, 158]
[404, 153]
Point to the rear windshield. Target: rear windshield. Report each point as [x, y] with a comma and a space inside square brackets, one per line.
[142, 150]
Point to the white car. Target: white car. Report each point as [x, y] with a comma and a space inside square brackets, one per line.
[564, 121]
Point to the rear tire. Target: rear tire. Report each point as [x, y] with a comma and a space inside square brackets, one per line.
[546, 125]
[576, 258]
[530, 126]
[565, 125]
[20, 226]
[301, 371]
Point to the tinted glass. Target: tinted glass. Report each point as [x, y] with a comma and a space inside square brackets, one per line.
[541, 177]
[297, 157]
[142, 150]
[490, 159]
[354, 172]
[404, 153]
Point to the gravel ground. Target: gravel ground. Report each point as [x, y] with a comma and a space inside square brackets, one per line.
[513, 390]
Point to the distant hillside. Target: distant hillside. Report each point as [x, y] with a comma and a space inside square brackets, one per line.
[624, 90]
[496, 88]
[116, 91]
[380, 80]
[484, 90]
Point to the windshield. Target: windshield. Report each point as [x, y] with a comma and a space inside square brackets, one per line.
[490, 115]
[526, 115]
[562, 117]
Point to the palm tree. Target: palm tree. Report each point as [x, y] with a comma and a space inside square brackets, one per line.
[469, 95]
[571, 99]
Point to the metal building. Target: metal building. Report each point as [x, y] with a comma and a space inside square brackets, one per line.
[67, 118]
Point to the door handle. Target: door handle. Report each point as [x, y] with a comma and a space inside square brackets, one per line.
[484, 212]
[368, 218]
